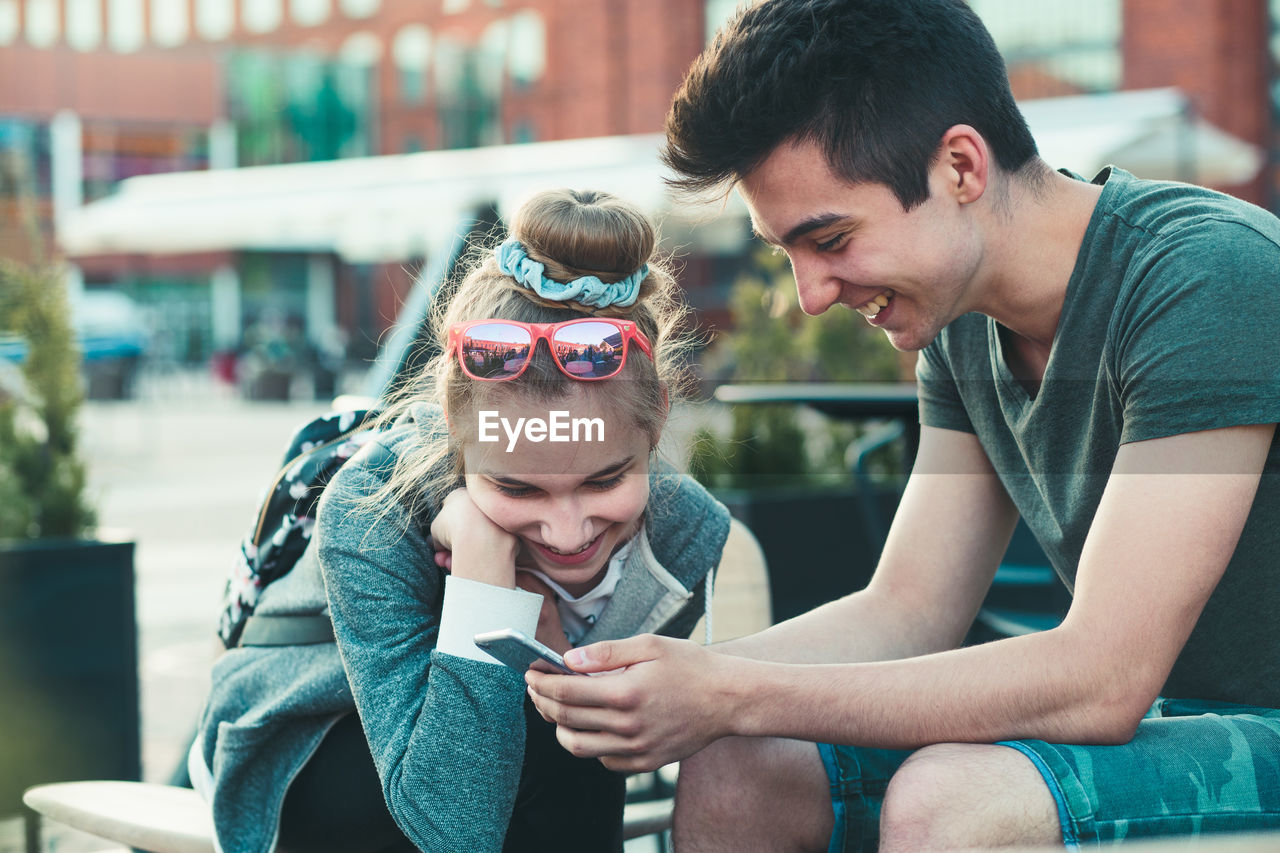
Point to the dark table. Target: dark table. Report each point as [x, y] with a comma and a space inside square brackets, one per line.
[844, 400]
[849, 400]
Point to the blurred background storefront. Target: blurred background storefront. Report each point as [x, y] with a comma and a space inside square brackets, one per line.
[304, 268]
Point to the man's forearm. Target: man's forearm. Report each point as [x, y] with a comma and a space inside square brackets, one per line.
[864, 626]
[1043, 686]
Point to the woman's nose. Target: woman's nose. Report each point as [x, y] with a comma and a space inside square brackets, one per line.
[566, 527]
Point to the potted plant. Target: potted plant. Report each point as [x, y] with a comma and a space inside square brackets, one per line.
[68, 647]
[781, 469]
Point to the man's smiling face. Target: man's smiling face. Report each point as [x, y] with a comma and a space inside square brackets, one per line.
[908, 272]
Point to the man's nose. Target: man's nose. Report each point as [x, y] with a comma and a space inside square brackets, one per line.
[815, 285]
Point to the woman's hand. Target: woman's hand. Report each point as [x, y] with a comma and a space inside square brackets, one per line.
[550, 629]
[469, 545]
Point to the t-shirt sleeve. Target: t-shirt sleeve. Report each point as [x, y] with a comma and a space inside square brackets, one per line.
[1195, 347]
[940, 403]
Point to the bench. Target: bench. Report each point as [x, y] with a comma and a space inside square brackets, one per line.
[165, 819]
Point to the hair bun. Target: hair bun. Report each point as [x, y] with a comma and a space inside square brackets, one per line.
[584, 232]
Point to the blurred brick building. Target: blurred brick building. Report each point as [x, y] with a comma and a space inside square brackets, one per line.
[95, 91]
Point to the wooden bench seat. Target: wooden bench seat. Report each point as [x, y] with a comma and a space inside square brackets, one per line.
[165, 819]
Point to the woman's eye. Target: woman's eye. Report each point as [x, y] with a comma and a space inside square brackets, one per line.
[604, 485]
[514, 491]
[828, 245]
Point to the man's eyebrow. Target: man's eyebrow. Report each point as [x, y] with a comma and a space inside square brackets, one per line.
[813, 223]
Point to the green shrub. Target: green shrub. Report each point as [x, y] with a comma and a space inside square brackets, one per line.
[42, 477]
[774, 341]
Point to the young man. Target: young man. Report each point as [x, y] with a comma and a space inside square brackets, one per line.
[1100, 358]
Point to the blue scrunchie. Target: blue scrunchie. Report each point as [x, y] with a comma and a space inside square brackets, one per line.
[588, 290]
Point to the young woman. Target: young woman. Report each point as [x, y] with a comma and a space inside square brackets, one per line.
[517, 488]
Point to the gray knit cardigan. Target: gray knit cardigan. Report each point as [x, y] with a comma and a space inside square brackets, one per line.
[446, 733]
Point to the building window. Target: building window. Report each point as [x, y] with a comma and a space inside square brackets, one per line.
[528, 48]
[26, 146]
[467, 103]
[493, 60]
[1275, 101]
[261, 16]
[297, 107]
[310, 13]
[360, 8]
[115, 150]
[125, 32]
[84, 24]
[169, 24]
[1275, 50]
[215, 19]
[8, 21]
[361, 50]
[411, 51]
[42, 23]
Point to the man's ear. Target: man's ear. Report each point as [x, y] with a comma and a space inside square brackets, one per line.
[963, 163]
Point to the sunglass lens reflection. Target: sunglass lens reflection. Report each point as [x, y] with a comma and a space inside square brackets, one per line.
[589, 350]
[495, 350]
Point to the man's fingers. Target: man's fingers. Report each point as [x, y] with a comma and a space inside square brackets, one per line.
[595, 720]
[614, 752]
[613, 654]
[589, 744]
[576, 690]
[594, 744]
[629, 765]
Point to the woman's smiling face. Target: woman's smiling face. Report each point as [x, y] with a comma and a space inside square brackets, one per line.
[571, 503]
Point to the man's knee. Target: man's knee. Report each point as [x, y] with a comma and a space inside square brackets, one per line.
[962, 795]
[766, 789]
[922, 792]
[721, 780]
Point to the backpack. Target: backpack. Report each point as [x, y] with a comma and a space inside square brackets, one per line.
[282, 528]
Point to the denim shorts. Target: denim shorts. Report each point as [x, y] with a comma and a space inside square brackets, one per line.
[1193, 767]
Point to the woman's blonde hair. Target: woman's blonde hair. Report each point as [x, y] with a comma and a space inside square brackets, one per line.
[573, 233]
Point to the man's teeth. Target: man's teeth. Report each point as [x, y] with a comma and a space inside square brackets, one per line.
[875, 306]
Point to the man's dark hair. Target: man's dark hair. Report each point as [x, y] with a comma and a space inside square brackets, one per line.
[874, 83]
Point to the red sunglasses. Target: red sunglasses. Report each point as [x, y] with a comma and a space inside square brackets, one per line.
[588, 349]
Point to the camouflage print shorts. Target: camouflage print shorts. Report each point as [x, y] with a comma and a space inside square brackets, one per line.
[1193, 767]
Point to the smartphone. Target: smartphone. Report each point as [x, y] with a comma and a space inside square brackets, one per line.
[519, 651]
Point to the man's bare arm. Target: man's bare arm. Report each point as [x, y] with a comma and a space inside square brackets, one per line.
[1164, 531]
[952, 526]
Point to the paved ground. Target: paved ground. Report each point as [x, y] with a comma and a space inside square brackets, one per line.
[182, 467]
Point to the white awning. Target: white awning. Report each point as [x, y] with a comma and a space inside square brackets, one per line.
[397, 207]
[1151, 133]
[366, 209]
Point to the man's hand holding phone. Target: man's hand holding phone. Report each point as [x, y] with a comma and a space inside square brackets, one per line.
[642, 714]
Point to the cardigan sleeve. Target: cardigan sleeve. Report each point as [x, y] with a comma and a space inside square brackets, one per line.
[446, 733]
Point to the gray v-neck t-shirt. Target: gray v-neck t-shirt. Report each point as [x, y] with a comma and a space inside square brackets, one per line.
[1171, 324]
